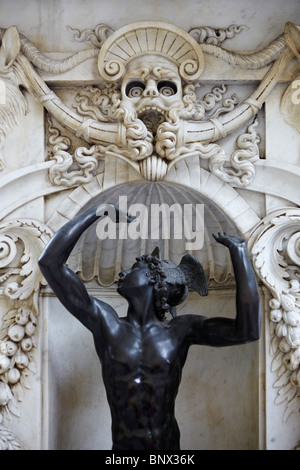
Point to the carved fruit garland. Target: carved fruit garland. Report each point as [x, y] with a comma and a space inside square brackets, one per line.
[21, 243]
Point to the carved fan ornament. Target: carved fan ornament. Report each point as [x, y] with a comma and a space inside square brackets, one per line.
[144, 111]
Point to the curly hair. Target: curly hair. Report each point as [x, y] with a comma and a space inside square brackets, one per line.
[167, 295]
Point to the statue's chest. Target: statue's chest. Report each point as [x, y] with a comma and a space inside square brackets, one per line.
[153, 351]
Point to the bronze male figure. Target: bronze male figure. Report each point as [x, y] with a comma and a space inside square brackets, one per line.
[143, 354]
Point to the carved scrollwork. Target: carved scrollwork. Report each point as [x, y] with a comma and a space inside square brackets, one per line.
[209, 35]
[202, 34]
[275, 250]
[87, 160]
[21, 243]
[169, 53]
[239, 168]
[211, 99]
[106, 104]
[95, 36]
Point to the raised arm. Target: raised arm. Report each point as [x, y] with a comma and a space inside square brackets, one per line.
[245, 327]
[67, 286]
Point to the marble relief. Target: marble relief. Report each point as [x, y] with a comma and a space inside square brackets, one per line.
[146, 120]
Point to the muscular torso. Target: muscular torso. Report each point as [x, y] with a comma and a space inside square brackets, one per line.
[141, 370]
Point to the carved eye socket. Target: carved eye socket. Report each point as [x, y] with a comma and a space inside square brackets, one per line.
[135, 89]
[167, 88]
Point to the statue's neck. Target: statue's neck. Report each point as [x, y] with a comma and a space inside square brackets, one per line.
[141, 309]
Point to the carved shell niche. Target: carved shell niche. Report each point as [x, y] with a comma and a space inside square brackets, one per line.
[102, 260]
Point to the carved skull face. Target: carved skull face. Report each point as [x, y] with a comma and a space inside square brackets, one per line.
[152, 86]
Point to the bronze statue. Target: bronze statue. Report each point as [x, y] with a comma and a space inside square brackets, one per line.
[143, 354]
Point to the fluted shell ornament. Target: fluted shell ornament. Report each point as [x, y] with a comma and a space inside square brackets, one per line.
[153, 168]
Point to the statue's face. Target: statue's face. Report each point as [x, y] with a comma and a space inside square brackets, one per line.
[135, 277]
[152, 85]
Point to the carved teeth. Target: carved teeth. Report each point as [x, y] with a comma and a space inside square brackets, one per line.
[151, 108]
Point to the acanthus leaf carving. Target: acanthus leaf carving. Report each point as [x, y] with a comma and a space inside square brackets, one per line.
[275, 251]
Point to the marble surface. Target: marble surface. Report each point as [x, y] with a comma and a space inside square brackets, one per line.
[36, 20]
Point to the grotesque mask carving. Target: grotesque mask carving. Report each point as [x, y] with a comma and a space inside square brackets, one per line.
[151, 61]
[151, 88]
